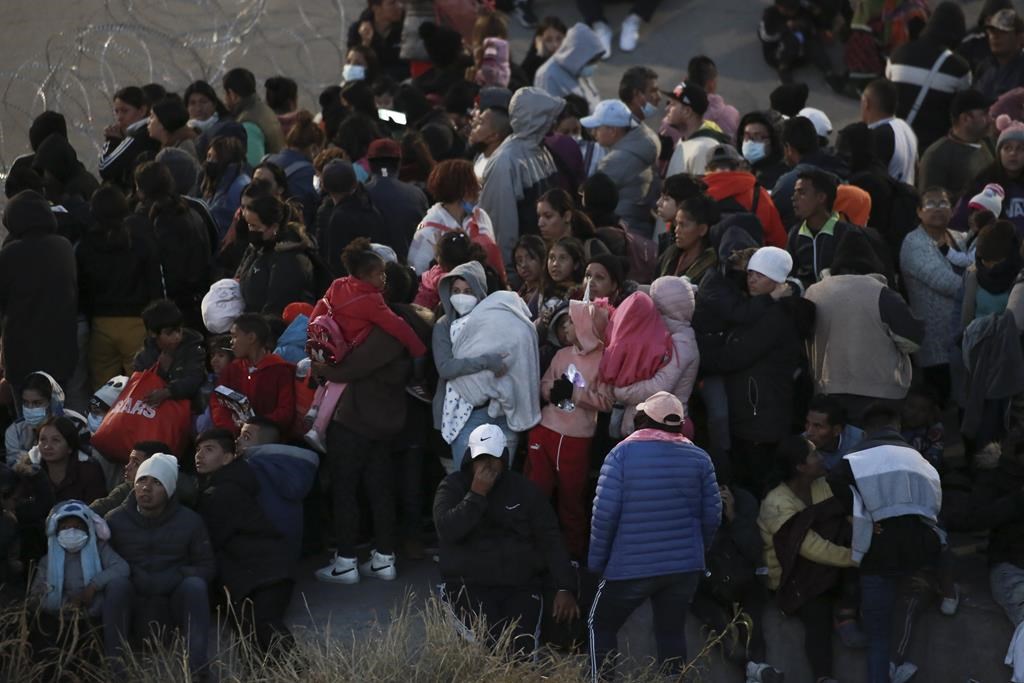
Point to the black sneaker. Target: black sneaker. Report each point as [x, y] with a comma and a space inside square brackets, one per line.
[420, 391]
[524, 14]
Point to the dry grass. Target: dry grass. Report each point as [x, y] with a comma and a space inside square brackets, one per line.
[416, 645]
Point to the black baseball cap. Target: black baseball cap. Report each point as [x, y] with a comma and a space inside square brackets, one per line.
[968, 100]
[689, 94]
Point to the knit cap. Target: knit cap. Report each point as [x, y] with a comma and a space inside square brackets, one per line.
[772, 262]
[989, 199]
[1008, 130]
[163, 468]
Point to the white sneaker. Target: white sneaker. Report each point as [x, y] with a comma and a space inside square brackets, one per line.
[604, 34]
[902, 673]
[379, 567]
[949, 606]
[630, 33]
[763, 673]
[312, 437]
[341, 570]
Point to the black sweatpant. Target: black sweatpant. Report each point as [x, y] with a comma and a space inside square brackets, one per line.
[355, 460]
[262, 613]
[498, 606]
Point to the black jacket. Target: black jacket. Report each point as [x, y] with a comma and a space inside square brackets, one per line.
[997, 505]
[188, 367]
[250, 552]
[355, 216]
[274, 275]
[184, 248]
[118, 274]
[56, 156]
[161, 551]
[402, 206]
[510, 537]
[38, 303]
[811, 255]
[759, 361]
[909, 68]
[120, 156]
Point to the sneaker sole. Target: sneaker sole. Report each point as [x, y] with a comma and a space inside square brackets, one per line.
[327, 578]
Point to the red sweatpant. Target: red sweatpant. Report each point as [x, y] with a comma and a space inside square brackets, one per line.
[557, 461]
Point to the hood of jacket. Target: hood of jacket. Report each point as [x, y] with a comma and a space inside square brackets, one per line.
[724, 184]
[292, 469]
[578, 48]
[735, 237]
[291, 345]
[57, 156]
[28, 213]
[674, 298]
[590, 321]
[292, 238]
[641, 142]
[473, 273]
[532, 113]
[56, 394]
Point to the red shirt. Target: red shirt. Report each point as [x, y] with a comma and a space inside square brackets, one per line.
[269, 386]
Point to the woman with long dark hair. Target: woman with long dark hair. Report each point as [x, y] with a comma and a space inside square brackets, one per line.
[225, 175]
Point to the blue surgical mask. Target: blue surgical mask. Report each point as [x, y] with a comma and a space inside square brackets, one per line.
[353, 72]
[94, 421]
[468, 207]
[588, 70]
[649, 110]
[754, 150]
[34, 416]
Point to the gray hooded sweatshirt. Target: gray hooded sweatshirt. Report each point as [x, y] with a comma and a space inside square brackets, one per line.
[521, 169]
[560, 75]
[449, 367]
[630, 164]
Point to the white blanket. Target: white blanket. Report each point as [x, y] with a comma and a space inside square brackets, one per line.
[1015, 655]
[501, 324]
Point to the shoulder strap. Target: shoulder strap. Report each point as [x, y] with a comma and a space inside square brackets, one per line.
[757, 198]
[926, 86]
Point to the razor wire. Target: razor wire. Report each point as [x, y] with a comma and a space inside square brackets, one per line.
[170, 42]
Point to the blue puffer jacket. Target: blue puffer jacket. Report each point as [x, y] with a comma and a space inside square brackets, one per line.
[656, 510]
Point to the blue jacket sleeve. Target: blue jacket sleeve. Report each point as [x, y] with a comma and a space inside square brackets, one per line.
[607, 508]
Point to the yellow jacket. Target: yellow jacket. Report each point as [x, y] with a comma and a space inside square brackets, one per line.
[778, 506]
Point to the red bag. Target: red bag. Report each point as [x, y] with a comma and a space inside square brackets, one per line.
[131, 420]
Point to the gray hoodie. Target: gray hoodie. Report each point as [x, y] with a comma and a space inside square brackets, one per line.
[449, 367]
[630, 164]
[521, 168]
[560, 75]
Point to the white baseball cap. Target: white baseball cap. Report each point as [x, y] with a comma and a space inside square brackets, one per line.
[609, 113]
[487, 440]
[822, 124]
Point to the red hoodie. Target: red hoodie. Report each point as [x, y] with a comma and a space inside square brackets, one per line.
[269, 386]
[740, 186]
[357, 306]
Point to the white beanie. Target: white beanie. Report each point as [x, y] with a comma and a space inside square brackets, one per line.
[990, 198]
[163, 468]
[772, 262]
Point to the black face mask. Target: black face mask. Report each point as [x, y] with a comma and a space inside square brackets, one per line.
[213, 169]
[256, 239]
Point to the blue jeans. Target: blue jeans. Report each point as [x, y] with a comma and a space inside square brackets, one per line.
[615, 600]
[1007, 581]
[479, 417]
[878, 594]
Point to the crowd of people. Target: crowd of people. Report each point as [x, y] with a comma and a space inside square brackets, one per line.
[615, 346]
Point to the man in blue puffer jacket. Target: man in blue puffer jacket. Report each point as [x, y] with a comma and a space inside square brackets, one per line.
[656, 512]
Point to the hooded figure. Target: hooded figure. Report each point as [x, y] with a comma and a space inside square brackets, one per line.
[911, 68]
[521, 169]
[76, 559]
[56, 160]
[286, 475]
[765, 158]
[22, 435]
[568, 71]
[37, 265]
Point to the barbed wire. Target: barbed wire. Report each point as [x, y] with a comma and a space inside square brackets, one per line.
[170, 42]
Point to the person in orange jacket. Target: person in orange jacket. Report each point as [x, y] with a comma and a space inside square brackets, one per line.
[733, 187]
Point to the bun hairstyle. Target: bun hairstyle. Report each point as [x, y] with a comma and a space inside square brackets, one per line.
[304, 133]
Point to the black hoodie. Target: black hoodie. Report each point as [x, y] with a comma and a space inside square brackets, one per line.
[510, 537]
[38, 293]
[772, 166]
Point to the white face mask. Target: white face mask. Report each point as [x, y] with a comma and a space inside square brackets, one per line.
[94, 421]
[316, 183]
[353, 72]
[754, 150]
[649, 110]
[204, 124]
[463, 303]
[34, 416]
[72, 540]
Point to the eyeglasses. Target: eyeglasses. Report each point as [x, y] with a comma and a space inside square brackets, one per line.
[937, 205]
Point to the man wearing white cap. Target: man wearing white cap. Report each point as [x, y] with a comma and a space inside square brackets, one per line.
[169, 552]
[498, 538]
[822, 124]
[632, 151]
[656, 512]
